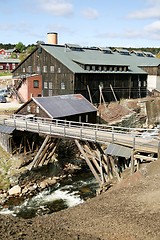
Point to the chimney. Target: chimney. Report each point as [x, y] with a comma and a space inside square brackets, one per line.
[52, 38]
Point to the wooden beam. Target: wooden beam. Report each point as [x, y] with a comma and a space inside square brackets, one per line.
[95, 162]
[132, 162]
[159, 150]
[147, 158]
[114, 168]
[88, 161]
[39, 152]
[105, 162]
[42, 156]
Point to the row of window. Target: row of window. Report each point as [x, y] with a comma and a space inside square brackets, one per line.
[8, 66]
[29, 69]
[49, 85]
[106, 68]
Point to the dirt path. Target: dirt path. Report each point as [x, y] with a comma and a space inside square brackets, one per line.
[128, 211]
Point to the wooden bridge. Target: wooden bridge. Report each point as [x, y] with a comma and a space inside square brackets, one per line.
[93, 136]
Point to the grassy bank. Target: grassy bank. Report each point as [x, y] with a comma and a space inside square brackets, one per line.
[5, 164]
[5, 74]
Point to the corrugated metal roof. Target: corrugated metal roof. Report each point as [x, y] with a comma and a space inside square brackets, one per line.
[118, 151]
[6, 129]
[94, 56]
[64, 105]
[9, 60]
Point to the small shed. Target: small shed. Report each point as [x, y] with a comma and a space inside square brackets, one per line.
[72, 107]
[6, 133]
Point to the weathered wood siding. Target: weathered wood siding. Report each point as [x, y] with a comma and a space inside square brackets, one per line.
[56, 78]
[152, 70]
[124, 85]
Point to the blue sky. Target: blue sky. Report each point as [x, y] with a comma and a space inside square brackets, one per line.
[111, 23]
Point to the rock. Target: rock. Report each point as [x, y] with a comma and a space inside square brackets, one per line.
[47, 182]
[15, 190]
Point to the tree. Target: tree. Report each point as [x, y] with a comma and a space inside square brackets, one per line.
[20, 47]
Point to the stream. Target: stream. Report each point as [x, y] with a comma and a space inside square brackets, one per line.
[69, 193]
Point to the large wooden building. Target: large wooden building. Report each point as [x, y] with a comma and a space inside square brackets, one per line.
[53, 69]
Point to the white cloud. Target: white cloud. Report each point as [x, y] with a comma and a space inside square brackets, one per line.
[150, 10]
[57, 7]
[90, 13]
[153, 27]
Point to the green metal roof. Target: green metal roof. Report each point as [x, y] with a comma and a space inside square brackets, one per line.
[94, 56]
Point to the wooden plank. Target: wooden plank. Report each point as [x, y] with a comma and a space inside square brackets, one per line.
[132, 162]
[39, 152]
[105, 162]
[147, 158]
[95, 162]
[114, 168]
[88, 161]
[159, 150]
[42, 156]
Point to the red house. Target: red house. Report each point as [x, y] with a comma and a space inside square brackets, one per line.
[8, 64]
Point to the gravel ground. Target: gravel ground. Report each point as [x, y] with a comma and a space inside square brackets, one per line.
[130, 210]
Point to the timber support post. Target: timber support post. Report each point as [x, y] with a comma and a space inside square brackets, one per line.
[132, 157]
[39, 152]
[88, 162]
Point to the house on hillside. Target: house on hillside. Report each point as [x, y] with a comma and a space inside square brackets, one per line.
[71, 69]
[8, 64]
[72, 107]
[8, 52]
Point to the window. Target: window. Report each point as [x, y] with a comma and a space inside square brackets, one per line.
[59, 70]
[28, 108]
[50, 85]
[100, 68]
[104, 68]
[13, 65]
[50, 92]
[1, 67]
[24, 70]
[88, 67]
[38, 69]
[86, 118]
[52, 69]
[29, 69]
[93, 68]
[45, 85]
[36, 84]
[63, 85]
[7, 66]
[44, 69]
[37, 109]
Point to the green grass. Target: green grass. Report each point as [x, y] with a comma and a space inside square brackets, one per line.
[5, 74]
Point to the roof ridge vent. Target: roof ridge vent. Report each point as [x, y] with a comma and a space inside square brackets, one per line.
[73, 47]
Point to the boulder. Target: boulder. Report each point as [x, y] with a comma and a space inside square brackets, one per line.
[15, 190]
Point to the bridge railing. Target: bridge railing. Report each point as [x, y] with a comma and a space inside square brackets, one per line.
[142, 132]
[135, 132]
[138, 138]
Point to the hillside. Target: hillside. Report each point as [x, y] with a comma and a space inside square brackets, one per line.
[129, 210]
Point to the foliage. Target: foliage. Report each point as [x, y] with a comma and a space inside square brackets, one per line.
[20, 47]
